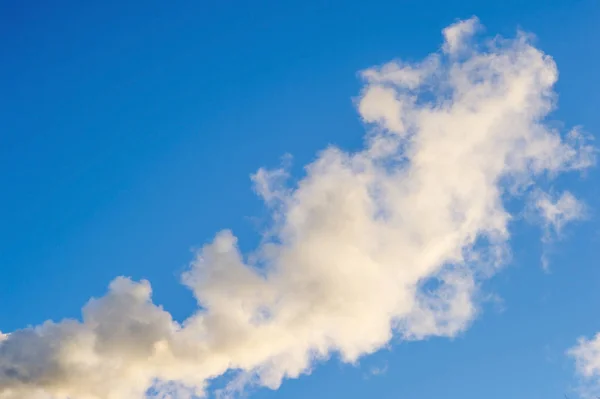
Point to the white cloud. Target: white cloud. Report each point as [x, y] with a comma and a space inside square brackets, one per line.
[557, 212]
[587, 356]
[393, 239]
[587, 360]
[457, 34]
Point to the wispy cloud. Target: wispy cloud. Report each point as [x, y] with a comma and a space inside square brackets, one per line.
[554, 213]
[390, 240]
[377, 371]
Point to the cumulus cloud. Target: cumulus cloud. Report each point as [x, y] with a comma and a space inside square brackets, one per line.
[391, 240]
[587, 361]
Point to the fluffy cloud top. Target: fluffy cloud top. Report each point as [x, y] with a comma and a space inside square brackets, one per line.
[456, 35]
[390, 240]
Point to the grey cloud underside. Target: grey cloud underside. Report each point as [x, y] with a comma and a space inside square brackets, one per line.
[352, 245]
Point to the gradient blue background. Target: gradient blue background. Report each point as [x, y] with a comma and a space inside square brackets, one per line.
[129, 129]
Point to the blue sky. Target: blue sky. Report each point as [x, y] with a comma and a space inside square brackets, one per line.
[129, 133]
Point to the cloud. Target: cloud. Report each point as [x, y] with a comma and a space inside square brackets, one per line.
[587, 361]
[555, 212]
[457, 34]
[377, 371]
[392, 240]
